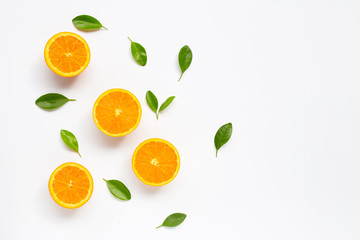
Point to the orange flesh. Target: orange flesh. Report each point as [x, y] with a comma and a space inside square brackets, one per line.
[71, 185]
[117, 112]
[156, 162]
[67, 54]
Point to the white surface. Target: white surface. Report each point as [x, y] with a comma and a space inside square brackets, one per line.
[285, 73]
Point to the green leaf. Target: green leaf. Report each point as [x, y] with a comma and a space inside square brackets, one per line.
[51, 101]
[70, 140]
[166, 103]
[138, 52]
[86, 22]
[152, 102]
[173, 220]
[185, 58]
[222, 136]
[118, 189]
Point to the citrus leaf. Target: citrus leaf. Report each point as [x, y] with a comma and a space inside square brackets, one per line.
[173, 220]
[222, 136]
[86, 22]
[138, 52]
[70, 140]
[51, 101]
[185, 58]
[118, 189]
[152, 102]
[166, 103]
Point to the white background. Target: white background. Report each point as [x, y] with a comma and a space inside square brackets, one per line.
[285, 73]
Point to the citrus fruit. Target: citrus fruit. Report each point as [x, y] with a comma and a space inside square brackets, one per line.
[156, 162]
[71, 185]
[67, 54]
[117, 112]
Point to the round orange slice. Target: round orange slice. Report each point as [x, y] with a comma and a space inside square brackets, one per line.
[71, 185]
[117, 112]
[156, 162]
[67, 54]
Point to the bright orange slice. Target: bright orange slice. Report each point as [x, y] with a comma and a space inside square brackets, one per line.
[117, 112]
[71, 185]
[156, 162]
[67, 54]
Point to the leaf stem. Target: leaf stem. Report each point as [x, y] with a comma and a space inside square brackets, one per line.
[104, 27]
[157, 115]
[159, 226]
[180, 76]
[72, 99]
[130, 39]
[79, 154]
[104, 179]
[217, 151]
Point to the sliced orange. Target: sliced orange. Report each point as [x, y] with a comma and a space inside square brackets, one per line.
[71, 185]
[117, 112]
[156, 162]
[67, 54]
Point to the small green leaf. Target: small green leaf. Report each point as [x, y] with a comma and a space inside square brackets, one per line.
[185, 58]
[70, 140]
[166, 103]
[138, 52]
[222, 136]
[173, 220]
[118, 189]
[152, 102]
[51, 101]
[86, 22]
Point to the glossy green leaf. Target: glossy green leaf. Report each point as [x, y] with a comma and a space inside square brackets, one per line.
[70, 140]
[173, 220]
[86, 22]
[166, 103]
[152, 102]
[118, 189]
[51, 101]
[138, 52]
[185, 58]
[222, 136]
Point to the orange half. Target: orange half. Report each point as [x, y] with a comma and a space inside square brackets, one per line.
[71, 185]
[117, 112]
[156, 162]
[67, 54]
